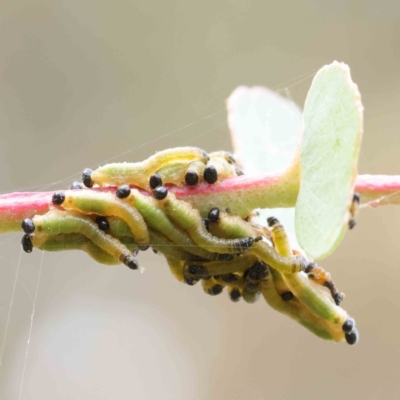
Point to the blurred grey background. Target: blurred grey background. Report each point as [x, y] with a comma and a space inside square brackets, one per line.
[82, 82]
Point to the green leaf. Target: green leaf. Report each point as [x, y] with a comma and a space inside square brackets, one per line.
[264, 126]
[264, 129]
[332, 121]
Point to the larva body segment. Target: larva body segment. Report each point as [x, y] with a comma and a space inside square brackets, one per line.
[212, 287]
[106, 204]
[194, 173]
[295, 310]
[138, 173]
[176, 268]
[156, 219]
[174, 174]
[315, 297]
[252, 285]
[77, 241]
[190, 220]
[234, 226]
[61, 222]
[224, 163]
[279, 237]
[240, 264]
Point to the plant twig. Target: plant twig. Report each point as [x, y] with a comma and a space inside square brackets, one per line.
[242, 193]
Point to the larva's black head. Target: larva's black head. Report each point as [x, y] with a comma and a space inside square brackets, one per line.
[58, 198]
[356, 198]
[123, 191]
[160, 193]
[76, 185]
[155, 181]
[102, 223]
[213, 214]
[191, 177]
[28, 226]
[287, 296]
[352, 337]
[235, 295]
[87, 177]
[216, 289]
[239, 171]
[131, 262]
[352, 224]
[348, 325]
[245, 243]
[272, 221]
[337, 298]
[229, 157]
[189, 280]
[26, 243]
[196, 270]
[210, 174]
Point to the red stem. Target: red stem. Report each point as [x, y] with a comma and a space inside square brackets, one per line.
[375, 190]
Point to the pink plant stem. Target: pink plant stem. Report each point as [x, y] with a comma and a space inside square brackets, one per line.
[378, 190]
[241, 193]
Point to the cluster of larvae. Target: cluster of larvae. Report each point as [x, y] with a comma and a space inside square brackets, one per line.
[123, 208]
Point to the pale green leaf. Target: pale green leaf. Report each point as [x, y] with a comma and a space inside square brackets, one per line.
[332, 121]
[264, 128]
